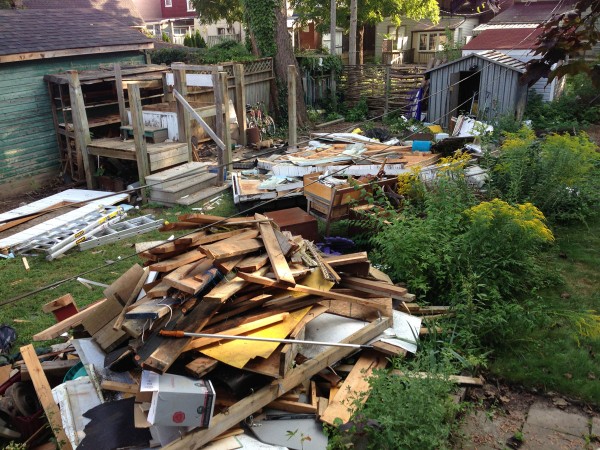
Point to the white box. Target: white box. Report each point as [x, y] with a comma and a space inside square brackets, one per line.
[182, 402]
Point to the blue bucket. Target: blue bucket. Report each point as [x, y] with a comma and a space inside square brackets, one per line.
[421, 146]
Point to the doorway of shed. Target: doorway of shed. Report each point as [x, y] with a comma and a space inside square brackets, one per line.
[464, 92]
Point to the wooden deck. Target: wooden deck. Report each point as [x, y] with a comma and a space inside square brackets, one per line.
[160, 155]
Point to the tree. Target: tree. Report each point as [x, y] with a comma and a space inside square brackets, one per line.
[266, 23]
[564, 39]
[369, 12]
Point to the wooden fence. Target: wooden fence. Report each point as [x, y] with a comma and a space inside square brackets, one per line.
[386, 88]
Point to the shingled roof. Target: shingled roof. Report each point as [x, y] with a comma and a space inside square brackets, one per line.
[83, 32]
[532, 12]
[125, 11]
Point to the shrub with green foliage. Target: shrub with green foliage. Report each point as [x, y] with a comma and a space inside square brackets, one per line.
[575, 109]
[165, 37]
[403, 411]
[223, 52]
[358, 112]
[559, 174]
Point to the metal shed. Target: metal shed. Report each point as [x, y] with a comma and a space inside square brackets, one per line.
[482, 84]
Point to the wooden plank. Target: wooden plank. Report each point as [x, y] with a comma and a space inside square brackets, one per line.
[132, 297]
[81, 127]
[240, 101]
[116, 386]
[293, 407]
[210, 220]
[44, 393]
[252, 263]
[177, 261]
[236, 331]
[278, 262]
[120, 95]
[369, 310]
[57, 368]
[318, 292]
[201, 366]
[197, 279]
[108, 338]
[342, 260]
[459, 379]
[137, 120]
[222, 250]
[183, 115]
[158, 291]
[61, 327]
[355, 387]
[389, 349]
[252, 403]
[226, 266]
[375, 287]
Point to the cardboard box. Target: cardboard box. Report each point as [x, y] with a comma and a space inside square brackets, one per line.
[182, 401]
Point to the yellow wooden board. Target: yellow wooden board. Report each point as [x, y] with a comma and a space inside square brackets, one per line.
[237, 353]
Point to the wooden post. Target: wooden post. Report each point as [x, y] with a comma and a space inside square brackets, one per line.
[44, 393]
[167, 96]
[292, 120]
[240, 101]
[183, 117]
[81, 126]
[386, 107]
[218, 92]
[121, 98]
[137, 121]
[227, 124]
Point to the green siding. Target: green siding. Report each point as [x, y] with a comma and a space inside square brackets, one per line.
[28, 145]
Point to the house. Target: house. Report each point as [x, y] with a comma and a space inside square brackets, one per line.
[123, 11]
[176, 18]
[29, 151]
[514, 32]
[486, 85]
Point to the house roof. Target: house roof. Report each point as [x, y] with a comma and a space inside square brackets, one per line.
[451, 23]
[124, 11]
[85, 32]
[532, 12]
[491, 56]
[502, 39]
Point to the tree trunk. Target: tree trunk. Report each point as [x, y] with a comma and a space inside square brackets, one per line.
[361, 38]
[284, 57]
[353, 25]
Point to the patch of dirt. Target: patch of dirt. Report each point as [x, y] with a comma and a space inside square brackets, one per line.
[594, 133]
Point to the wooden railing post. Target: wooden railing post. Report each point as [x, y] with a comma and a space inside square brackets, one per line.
[240, 101]
[81, 127]
[137, 122]
[183, 117]
[227, 122]
[219, 126]
[121, 98]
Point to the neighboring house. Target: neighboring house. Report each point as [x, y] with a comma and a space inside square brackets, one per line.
[29, 153]
[514, 31]
[124, 11]
[177, 18]
[419, 41]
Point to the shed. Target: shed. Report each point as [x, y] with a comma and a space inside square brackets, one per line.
[29, 153]
[485, 84]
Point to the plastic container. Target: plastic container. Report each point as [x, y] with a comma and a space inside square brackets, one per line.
[421, 146]
[77, 371]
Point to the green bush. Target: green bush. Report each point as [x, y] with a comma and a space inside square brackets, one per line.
[223, 52]
[165, 37]
[560, 174]
[358, 112]
[402, 412]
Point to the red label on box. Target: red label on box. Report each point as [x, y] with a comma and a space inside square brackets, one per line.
[178, 417]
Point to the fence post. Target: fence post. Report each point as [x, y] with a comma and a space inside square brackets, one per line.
[218, 92]
[183, 116]
[227, 125]
[386, 107]
[292, 120]
[240, 101]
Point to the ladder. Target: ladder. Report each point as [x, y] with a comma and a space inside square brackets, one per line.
[59, 240]
[122, 230]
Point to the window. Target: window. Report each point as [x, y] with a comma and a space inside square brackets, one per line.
[432, 42]
[168, 3]
[190, 6]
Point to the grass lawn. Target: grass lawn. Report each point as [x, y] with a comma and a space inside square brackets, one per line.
[26, 315]
[556, 356]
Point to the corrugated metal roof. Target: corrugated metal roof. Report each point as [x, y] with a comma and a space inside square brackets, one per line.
[516, 39]
[79, 29]
[490, 56]
[532, 12]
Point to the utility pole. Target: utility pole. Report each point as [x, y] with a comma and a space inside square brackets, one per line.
[352, 37]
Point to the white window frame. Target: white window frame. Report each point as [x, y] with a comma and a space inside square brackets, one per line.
[436, 45]
[190, 7]
[168, 3]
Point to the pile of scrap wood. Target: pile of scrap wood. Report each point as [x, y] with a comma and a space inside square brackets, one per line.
[242, 278]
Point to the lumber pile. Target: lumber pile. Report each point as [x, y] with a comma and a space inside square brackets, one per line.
[243, 278]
